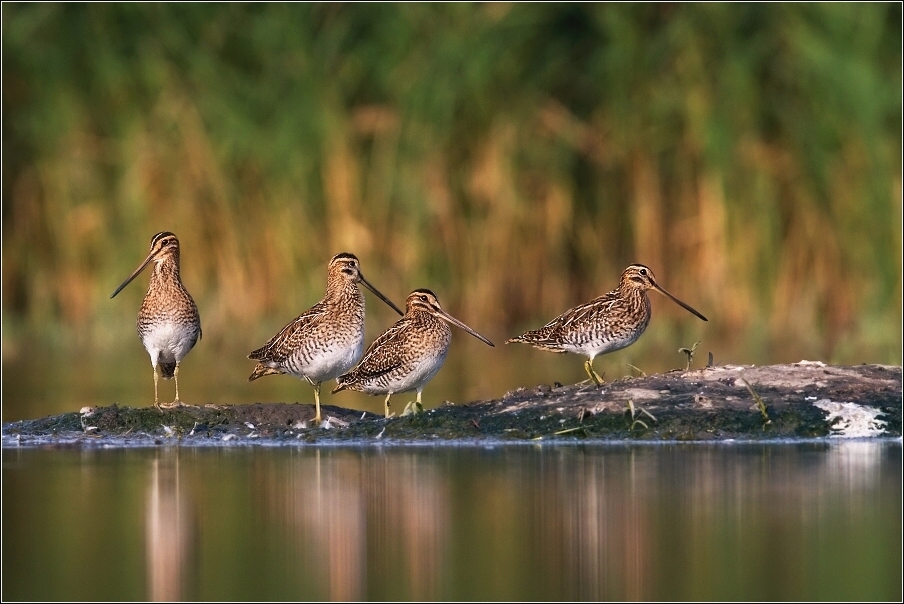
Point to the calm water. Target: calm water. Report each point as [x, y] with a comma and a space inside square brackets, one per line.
[670, 522]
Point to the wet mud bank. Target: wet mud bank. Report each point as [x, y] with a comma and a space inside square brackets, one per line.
[801, 400]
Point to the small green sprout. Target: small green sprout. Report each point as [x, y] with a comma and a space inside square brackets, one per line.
[635, 420]
[690, 354]
[759, 402]
[637, 369]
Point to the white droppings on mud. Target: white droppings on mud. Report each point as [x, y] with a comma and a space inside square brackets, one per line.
[850, 420]
[639, 394]
[250, 425]
[84, 414]
[806, 377]
[713, 373]
[333, 422]
[804, 363]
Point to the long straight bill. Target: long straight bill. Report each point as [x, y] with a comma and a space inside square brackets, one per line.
[458, 323]
[378, 294]
[679, 302]
[133, 275]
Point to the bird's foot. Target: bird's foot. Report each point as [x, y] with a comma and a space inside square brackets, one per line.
[412, 408]
[592, 374]
[172, 405]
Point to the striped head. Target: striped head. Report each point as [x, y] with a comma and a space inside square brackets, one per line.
[639, 278]
[164, 249]
[345, 269]
[424, 300]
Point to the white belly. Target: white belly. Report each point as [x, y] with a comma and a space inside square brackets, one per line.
[326, 363]
[593, 349]
[168, 342]
[415, 378]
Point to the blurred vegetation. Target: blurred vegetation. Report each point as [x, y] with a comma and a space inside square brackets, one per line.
[515, 158]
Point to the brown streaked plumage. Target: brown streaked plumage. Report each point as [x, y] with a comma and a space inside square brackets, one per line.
[326, 340]
[407, 355]
[605, 324]
[168, 321]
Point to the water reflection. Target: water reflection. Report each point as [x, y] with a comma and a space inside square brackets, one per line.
[170, 531]
[818, 521]
[337, 506]
[323, 510]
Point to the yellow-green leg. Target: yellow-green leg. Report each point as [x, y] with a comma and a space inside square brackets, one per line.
[588, 367]
[156, 400]
[176, 402]
[317, 403]
[413, 407]
[386, 405]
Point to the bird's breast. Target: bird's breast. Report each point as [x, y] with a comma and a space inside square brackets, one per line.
[171, 340]
[324, 358]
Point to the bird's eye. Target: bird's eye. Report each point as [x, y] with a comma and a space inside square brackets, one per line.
[643, 272]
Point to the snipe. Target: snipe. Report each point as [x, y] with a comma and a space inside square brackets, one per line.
[407, 355]
[326, 340]
[168, 320]
[605, 324]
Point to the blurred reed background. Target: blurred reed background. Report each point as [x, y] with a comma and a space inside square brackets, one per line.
[512, 157]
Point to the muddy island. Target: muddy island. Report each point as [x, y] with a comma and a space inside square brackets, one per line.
[732, 402]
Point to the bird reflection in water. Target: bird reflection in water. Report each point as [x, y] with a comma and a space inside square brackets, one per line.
[170, 536]
[341, 508]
